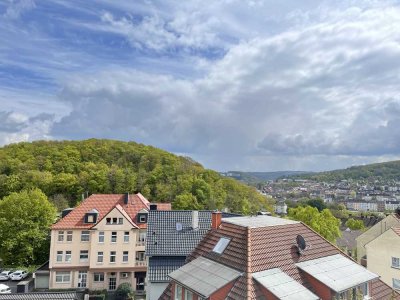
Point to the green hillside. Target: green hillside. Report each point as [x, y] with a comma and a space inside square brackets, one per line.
[65, 170]
[254, 178]
[386, 171]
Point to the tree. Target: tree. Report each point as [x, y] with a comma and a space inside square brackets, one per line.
[124, 291]
[355, 224]
[322, 222]
[317, 203]
[25, 220]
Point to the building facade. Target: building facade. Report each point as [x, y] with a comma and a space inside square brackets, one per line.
[384, 257]
[101, 244]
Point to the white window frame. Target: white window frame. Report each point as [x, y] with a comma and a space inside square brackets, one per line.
[101, 237]
[113, 257]
[98, 277]
[100, 257]
[142, 236]
[125, 256]
[395, 262]
[60, 237]
[126, 237]
[178, 288]
[114, 236]
[64, 276]
[85, 253]
[188, 294]
[85, 236]
[396, 283]
[120, 221]
[69, 236]
[142, 219]
[59, 257]
[68, 256]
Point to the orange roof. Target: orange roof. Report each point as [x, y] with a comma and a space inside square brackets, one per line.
[104, 203]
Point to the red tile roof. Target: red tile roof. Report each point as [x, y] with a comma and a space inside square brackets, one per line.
[104, 203]
[256, 249]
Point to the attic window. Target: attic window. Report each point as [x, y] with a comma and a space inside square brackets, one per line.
[221, 245]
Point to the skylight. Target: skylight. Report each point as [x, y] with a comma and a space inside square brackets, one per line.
[221, 245]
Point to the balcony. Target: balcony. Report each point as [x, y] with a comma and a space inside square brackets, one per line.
[140, 243]
[141, 263]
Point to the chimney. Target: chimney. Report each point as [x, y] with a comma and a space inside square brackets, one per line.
[216, 219]
[126, 198]
[153, 206]
[195, 219]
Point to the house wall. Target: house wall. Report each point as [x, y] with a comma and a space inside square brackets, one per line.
[222, 292]
[155, 289]
[374, 232]
[93, 246]
[380, 252]
[321, 290]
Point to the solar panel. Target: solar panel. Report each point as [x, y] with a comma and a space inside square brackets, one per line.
[221, 245]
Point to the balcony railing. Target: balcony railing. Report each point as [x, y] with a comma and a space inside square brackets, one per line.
[140, 243]
[141, 263]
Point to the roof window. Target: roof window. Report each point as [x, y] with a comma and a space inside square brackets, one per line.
[221, 245]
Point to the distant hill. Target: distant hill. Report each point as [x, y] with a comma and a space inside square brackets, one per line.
[259, 177]
[380, 171]
[66, 170]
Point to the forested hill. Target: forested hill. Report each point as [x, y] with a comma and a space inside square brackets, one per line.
[65, 170]
[381, 171]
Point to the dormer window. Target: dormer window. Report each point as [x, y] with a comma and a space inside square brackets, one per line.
[91, 216]
[221, 245]
[142, 216]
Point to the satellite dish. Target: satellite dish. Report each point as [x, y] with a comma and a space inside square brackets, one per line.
[301, 242]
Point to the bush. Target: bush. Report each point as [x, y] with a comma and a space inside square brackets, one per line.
[124, 291]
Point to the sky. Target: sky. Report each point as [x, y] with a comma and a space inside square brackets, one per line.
[252, 85]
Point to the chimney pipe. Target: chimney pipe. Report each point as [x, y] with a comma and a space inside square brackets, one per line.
[216, 219]
[126, 198]
[195, 219]
[153, 206]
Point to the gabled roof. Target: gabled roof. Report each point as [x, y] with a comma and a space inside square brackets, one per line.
[254, 249]
[103, 203]
[204, 276]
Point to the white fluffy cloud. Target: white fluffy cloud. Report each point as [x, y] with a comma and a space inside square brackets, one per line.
[313, 86]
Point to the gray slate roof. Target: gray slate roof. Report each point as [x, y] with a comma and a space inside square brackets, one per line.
[40, 296]
[164, 240]
[160, 267]
[204, 276]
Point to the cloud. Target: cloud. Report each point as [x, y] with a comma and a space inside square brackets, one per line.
[16, 8]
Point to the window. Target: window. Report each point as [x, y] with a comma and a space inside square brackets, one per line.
[100, 256]
[221, 245]
[69, 236]
[178, 292]
[113, 237]
[140, 256]
[60, 236]
[85, 236]
[90, 219]
[112, 256]
[188, 295]
[114, 220]
[59, 256]
[108, 221]
[126, 237]
[142, 219]
[68, 256]
[395, 262]
[125, 256]
[396, 283]
[98, 277]
[84, 255]
[101, 236]
[120, 220]
[63, 277]
[142, 236]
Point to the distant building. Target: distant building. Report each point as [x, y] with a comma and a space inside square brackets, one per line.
[383, 255]
[373, 232]
[281, 208]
